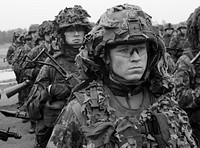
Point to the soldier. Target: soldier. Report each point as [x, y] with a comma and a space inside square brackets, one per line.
[52, 87]
[179, 42]
[16, 42]
[31, 69]
[43, 41]
[187, 76]
[124, 103]
[21, 51]
[33, 31]
[168, 34]
[29, 44]
[14, 58]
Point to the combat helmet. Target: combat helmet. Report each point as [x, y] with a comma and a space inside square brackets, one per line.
[46, 27]
[122, 24]
[22, 36]
[33, 28]
[182, 25]
[193, 29]
[16, 35]
[72, 16]
[169, 26]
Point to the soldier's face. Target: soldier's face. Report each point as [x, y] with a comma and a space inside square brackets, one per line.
[74, 36]
[128, 61]
[169, 31]
[34, 35]
[47, 37]
[183, 30]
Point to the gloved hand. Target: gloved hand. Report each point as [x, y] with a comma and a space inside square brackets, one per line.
[59, 91]
[31, 74]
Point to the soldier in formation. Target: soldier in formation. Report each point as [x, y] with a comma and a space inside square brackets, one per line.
[31, 68]
[187, 75]
[18, 59]
[56, 80]
[179, 42]
[125, 100]
[13, 57]
[168, 34]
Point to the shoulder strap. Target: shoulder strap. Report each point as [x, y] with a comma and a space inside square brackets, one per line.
[159, 126]
[77, 108]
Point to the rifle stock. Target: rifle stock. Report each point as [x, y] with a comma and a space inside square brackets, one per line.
[4, 135]
[11, 91]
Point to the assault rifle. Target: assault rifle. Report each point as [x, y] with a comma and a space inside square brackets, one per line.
[4, 135]
[15, 114]
[57, 66]
[15, 89]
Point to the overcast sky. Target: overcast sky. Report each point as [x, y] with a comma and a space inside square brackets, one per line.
[22, 13]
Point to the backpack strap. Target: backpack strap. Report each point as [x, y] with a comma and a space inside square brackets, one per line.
[77, 108]
[158, 128]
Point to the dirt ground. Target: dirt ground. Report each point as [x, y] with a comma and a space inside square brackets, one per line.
[15, 124]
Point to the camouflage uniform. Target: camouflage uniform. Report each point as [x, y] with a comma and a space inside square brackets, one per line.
[10, 52]
[187, 76]
[13, 49]
[53, 83]
[167, 37]
[96, 117]
[178, 43]
[18, 63]
[31, 68]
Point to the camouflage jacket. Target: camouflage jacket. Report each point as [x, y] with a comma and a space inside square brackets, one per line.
[21, 51]
[95, 119]
[167, 39]
[177, 46]
[179, 42]
[29, 67]
[49, 75]
[187, 80]
[10, 53]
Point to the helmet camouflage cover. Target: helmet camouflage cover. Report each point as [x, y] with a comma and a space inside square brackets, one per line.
[122, 24]
[73, 16]
[17, 34]
[33, 28]
[46, 27]
[193, 28]
[169, 26]
[182, 25]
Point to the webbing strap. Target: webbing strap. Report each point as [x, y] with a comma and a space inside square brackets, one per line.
[77, 110]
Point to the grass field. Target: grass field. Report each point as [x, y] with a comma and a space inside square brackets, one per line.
[3, 52]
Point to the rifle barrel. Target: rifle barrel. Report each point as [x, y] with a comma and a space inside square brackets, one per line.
[15, 114]
[4, 135]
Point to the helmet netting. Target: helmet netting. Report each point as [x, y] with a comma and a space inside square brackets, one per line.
[46, 27]
[123, 24]
[73, 16]
[193, 25]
